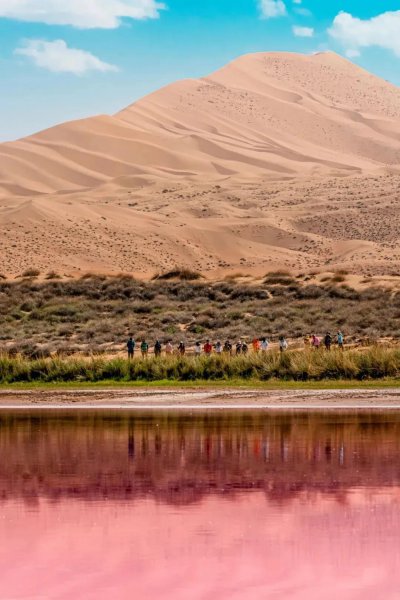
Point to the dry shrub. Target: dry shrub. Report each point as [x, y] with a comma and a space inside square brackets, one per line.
[53, 275]
[182, 274]
[279, 278]
[30, 273]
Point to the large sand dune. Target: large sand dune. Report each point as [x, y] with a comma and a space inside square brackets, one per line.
[275, 160]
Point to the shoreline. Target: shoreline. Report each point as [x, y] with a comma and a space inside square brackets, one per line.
[201, 399]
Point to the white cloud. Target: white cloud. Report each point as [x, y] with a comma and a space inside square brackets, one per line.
[306, 32]
[382, 31]
[353, 53]
[303, 12]
[85, 14]
[59, 58]
[272, 8]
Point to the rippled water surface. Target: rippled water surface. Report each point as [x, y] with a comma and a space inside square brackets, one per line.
[98, 505]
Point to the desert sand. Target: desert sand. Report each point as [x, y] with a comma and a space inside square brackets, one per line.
[277, 160]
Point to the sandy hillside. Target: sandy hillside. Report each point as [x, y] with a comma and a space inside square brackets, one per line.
[276, 160]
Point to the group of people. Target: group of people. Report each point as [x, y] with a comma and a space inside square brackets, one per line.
[315, 342]
[240, 348]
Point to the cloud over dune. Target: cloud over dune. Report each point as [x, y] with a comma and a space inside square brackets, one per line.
[272, 8]
[303, 31]
[354, 33]
[57, 57]
[104, 14]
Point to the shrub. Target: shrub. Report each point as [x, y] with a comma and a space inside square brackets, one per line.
[52, 275]
[30, 273]
[279, 278]
[179, 273]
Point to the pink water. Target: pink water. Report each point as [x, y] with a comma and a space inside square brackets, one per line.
[232, 507]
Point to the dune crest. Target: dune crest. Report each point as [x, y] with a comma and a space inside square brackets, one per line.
[210, 171]
[274, 113]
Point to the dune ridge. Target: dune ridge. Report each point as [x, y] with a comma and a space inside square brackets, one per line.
[209, 172]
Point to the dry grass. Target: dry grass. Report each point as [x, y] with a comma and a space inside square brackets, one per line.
[374, 363]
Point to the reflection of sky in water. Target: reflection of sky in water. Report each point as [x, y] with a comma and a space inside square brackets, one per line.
[302, 506]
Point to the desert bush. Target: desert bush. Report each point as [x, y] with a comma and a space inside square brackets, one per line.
[28, 273]
[179, 273]
[279, 278]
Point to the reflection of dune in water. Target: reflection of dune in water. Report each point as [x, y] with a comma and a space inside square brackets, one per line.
[182, 459]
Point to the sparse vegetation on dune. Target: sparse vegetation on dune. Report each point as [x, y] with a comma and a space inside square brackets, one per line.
[374, 363]
[95, 314]
[181, 274]
[30, 273]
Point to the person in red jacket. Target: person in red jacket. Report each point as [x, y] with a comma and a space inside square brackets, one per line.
[207, 347]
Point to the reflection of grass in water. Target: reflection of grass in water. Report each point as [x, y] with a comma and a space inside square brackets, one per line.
[181, 458]
[310, 366]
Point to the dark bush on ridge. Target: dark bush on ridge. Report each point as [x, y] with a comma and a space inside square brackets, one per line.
[182, 274]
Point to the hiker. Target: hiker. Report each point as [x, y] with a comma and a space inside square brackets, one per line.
[208, 348]
[228, 348]
[264, 345]
[131, 347]
[245, 348]
[340, 340]
[283, 345]
[315, 342]
[218, 348]
[328, 341]
[169, 350]
[256, 345]
[157, 348]
[182, 349]
[144, 348]
[197, 349]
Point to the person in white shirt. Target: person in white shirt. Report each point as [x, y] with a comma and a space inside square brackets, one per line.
[283, 345]
[218, 348]
[264, 345]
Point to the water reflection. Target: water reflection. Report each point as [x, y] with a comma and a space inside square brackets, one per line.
[251, 505]
[182, 459]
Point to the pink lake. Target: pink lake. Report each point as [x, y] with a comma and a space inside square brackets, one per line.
[214, 505]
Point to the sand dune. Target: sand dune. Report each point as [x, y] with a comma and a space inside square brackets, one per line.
[275, 160]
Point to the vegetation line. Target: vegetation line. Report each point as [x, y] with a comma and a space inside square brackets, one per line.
[309, 366]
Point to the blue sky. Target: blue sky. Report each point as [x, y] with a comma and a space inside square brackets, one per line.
[60, 60]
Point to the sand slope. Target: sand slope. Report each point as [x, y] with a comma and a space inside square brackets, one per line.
[279, 114]
[261, 164]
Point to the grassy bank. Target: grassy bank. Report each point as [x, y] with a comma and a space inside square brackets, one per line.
[373, 364]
